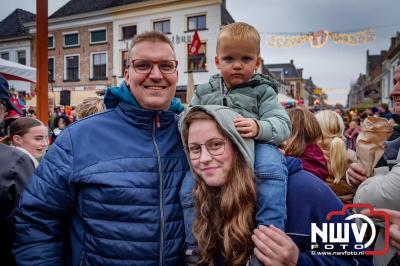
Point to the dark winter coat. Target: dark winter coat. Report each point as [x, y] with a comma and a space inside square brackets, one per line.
[107, 193]
[16, 168]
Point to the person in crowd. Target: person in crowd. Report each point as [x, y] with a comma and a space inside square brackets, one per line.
[375, 111]
[107, 191]
[303, 143]
[29, 135]
[394, 231]
[395, 96]
[13, 114]
[60, 122]
[384, 111]
[15, 169]
[336, 154]
[225, 199]
[382, 190]
[351, 134]
[31, 112]
[89, 106]
[261, 118]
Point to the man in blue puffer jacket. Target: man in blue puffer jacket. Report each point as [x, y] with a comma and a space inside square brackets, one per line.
[107, 192]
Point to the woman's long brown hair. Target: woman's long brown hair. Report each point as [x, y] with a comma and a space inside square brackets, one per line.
[305, 130]
[225, 215]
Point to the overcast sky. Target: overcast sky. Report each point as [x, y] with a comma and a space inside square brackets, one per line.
[332, 67]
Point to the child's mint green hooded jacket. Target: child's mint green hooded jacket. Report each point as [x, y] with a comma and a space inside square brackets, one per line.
[257, 99]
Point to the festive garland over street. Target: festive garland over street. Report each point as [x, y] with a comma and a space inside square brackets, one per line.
[319, 38]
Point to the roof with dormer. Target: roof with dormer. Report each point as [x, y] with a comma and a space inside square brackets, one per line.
[283, 71]
[13, 25]
[75, 7]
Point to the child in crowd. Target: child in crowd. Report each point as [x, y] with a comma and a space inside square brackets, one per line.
[263, 118]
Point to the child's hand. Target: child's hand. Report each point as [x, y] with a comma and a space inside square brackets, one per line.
[247, 127]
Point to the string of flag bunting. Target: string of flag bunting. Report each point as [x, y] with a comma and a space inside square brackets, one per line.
[320, 38]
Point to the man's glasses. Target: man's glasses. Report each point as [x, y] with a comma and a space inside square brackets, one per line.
[214, 147]
[143, 66]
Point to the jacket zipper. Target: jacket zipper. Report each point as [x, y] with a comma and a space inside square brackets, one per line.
[80, 263]
[157, 124]
[224, 94]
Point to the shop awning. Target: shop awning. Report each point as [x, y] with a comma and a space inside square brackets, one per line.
[14, 71]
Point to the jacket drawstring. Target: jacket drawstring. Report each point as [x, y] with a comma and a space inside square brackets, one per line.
[158, 120]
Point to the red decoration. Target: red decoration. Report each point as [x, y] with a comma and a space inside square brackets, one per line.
[195, 45]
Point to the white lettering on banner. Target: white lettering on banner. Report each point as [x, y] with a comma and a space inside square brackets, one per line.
[177, 39]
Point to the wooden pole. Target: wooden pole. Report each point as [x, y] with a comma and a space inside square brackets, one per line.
[42, 104]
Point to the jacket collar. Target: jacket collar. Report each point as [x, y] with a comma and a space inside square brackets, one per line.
[144, 118]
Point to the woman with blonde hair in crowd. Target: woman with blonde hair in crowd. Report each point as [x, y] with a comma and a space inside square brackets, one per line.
[303, 142]
[336, 154]
[89, 106]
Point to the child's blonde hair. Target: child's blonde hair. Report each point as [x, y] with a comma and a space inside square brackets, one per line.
[239, 31]
[333, 145]
[89, 106]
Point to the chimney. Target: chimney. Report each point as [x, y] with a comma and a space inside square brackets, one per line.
[300, 70]
[291, 61]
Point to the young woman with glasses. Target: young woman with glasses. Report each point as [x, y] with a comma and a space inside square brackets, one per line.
[225, 200]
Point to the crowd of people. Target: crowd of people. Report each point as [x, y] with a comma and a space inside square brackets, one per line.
[235, 179]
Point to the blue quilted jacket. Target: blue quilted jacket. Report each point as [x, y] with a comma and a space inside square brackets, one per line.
[107, 193]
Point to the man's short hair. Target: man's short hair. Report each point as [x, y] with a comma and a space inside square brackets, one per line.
[149, 36]
[239, 31]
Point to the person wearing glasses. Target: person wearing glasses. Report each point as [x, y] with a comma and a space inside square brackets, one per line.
[226, 201]
[261, 117]
[15, 170]
[107, 191]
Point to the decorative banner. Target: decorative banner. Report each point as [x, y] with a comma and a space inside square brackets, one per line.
[356, 38]
[282, 41]
[319, 38]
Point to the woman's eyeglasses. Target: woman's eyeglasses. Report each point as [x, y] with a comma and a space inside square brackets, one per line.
[214, 147]
[144, 66]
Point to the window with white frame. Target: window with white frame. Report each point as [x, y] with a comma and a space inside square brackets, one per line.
[71, 39]
[98, 36]
[21, 57]
[50, 42]
[51, 66]
[98, 65]
[128, 32]
[198, 62]
[71, 67]
[162, 26]
[196, 23]
[5, 55]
